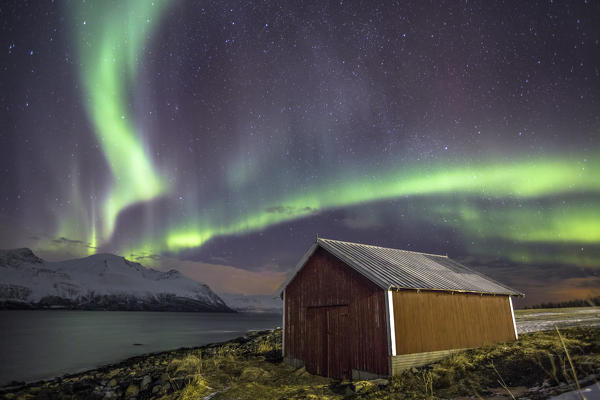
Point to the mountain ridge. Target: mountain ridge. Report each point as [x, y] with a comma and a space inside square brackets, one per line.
[256, 303]
[98, 282]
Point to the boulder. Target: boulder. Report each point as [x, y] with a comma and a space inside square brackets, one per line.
[363, 386]
[300, 371]
[380, 382]
[164, 378]
[145, 382]
[132, 391]
[110, 395]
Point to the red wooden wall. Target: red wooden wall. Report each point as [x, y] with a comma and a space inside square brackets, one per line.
[335, 319]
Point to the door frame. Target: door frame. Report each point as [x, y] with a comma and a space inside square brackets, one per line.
[328, 341]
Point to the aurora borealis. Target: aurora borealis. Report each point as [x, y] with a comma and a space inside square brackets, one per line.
[109, 50]
[229, 134]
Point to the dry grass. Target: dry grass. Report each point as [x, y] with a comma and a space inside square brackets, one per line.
[196, 389]
[243, 371]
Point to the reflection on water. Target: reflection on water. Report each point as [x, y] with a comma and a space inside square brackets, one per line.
[38, 345]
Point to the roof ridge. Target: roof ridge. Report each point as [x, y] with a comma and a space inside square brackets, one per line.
[396, 269]
[381, 247]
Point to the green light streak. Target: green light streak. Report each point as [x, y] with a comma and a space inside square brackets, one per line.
[579, 223]
[112, 35]
[78, 226]
[517, 180]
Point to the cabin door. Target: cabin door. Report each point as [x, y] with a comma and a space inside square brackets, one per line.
[328, 347]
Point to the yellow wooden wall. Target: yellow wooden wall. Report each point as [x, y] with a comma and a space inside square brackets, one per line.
[434, 320]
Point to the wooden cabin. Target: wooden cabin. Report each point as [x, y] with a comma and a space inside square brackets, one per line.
[357, 311]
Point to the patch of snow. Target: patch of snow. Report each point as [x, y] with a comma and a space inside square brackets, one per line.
[591, 392]
[548, 320]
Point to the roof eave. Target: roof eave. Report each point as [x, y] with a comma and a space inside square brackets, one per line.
[340, 256]
[297, 268]
[515, 294]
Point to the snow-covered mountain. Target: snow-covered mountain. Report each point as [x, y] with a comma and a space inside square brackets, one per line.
[98, 282]
[262, 303]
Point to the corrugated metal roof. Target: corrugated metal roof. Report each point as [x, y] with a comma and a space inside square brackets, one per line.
[401, 269]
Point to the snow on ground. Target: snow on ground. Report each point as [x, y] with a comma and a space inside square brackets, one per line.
[539, 320]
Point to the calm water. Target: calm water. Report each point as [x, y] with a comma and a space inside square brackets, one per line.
[38, 345]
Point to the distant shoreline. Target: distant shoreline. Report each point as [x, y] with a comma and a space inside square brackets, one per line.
[231, 311]
[17, 306]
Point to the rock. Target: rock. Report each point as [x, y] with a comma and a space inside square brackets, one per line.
[363, 386]
[164, 378]
[113, 373]
[110, 395]
[380, 382]
[112, 382]
[348, 392]
[145, 383]
[300, 371]
[84, 384]
[132, 391]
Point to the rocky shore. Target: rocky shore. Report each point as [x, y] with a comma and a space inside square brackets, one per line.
[152, 376]
[538, 366]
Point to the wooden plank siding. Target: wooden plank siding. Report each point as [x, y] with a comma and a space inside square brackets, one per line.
[335, 319]
[428, 321]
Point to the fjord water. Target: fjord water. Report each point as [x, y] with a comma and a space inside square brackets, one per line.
[37, 345]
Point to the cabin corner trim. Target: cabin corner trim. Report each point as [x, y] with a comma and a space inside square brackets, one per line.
[391, 331]
[512, 313]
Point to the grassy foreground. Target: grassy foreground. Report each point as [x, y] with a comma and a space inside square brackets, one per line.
[535, 367]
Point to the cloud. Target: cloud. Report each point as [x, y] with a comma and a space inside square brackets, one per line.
[288, 210]
[64, 240]
[362, 222]
[142, 257]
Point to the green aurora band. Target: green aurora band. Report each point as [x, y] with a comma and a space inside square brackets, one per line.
[528, 180]
[112, 35]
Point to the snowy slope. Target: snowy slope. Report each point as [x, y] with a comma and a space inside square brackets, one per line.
[262, 303]
[101, 281]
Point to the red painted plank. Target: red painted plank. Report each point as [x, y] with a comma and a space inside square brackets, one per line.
[335, 319]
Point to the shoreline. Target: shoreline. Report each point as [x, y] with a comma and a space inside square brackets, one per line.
[10, 306]
[251, 367]
[127, 361]
[123, 374]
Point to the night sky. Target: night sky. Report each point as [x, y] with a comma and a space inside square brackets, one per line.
[220, 137]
